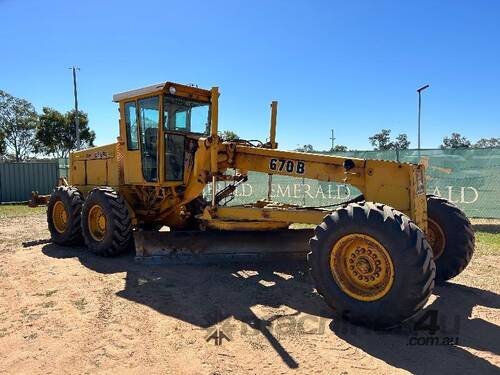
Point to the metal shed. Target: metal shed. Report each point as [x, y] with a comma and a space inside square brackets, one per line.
[18, 180]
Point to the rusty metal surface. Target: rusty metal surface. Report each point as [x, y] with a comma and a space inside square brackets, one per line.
[221, 246]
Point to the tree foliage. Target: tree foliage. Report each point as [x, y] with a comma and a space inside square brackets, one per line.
[382, 141]
[56, 134]
[339, 148]
[402, 142]
[2, 144]
[18, 122]
[488, 142]
[229, 135]
[455, 141]
[305, 148]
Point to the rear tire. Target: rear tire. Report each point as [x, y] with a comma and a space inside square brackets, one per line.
[405, 258]
[64, 214]
[106, 224]
[451, 237]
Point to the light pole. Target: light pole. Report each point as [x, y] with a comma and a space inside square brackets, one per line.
[77, 118]
[419, 109]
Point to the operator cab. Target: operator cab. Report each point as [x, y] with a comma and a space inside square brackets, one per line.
[172, 113]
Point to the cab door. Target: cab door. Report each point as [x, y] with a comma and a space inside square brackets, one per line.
[182, 117]
[148, 113]
[175, 125]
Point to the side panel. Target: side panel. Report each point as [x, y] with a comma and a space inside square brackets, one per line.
[97, 173]
[399, 185]
[77, 171]
[132, 171]
[96, 166]
[389, 183]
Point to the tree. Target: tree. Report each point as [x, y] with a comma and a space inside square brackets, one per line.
[487, 142]
[2, 144]
[382, 141]
[18, 122]
[56, 133]
[305, 148]
[339, 148]
[229, 135]
[455, 141]
[402, 142]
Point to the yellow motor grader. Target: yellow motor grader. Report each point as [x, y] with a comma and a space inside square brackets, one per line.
[374, 259]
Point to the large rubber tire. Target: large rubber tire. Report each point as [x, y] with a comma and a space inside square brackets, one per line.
[458, 237]
[117, 237]
[411, 255]
[72, 201]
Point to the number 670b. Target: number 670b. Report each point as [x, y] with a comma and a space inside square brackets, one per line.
[289, 166]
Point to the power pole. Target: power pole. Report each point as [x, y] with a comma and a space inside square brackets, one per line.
[333, 138]
[77, 118]
[419, 109]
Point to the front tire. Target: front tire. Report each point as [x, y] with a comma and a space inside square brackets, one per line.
[106, 224]
[371, 264]
[451, 237]
[63, 215]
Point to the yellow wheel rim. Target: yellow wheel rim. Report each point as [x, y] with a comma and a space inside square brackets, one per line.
[60, 217]
[436, 238]
[362, 267]
[97, 223]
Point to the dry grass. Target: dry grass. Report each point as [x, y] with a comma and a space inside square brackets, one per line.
[19, 210]
[487, 236]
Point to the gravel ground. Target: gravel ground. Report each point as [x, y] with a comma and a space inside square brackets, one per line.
[63, 310]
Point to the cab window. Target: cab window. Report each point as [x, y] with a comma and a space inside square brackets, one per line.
[185, 115]
[131, 126]
[149, 117]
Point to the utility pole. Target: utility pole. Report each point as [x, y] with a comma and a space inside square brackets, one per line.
[77, 118]
[333, 138]
[419, 109]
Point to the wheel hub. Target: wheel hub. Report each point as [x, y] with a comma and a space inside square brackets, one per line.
[362, 267]
[97, 223]
[436, 238]
[59, 217]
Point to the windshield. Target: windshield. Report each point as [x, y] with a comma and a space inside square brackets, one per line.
[182, 114]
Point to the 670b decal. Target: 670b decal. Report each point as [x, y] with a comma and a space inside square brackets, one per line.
[290, 166]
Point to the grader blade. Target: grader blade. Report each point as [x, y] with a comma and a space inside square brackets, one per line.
[221, 246]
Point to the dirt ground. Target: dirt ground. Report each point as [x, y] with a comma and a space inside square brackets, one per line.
[63, 310]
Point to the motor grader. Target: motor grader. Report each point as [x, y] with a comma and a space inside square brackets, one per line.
[374, 259]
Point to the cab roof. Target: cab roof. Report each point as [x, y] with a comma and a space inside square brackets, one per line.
[181, 90]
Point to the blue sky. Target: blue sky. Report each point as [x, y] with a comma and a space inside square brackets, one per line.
[351, 66]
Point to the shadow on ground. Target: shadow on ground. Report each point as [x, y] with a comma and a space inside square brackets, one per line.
[487, 227]
[420, 351]
[206, 295]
